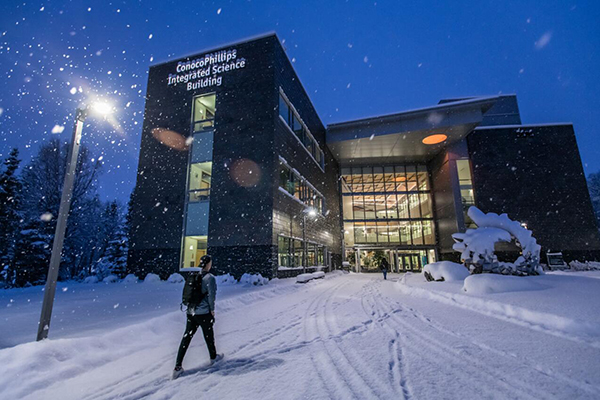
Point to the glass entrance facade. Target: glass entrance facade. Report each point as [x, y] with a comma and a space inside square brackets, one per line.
[389, 208]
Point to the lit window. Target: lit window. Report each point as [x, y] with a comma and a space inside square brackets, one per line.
[204, 112]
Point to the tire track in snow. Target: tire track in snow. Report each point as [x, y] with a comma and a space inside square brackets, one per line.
[437, 351]
[336, 390]
[397, 366]
[354, 364]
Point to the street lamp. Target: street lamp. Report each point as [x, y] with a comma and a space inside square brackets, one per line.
[311, 212]
[63, 211]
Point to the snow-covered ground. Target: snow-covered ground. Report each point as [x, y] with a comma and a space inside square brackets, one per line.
[346, 336]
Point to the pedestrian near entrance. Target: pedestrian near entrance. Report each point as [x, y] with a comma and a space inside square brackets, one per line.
[384, 266]
[199, 295]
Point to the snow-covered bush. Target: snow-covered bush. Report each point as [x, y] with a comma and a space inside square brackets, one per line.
[254, 279]
[477, 245]
[151, 278]
[131, 278]
[111, 279]
[175, 278]
[584, 266]
[303, 278]
[445, 271]
[225, 279]
[91, 279]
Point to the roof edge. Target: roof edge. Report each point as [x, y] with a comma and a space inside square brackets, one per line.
[219, 47]
[417, 110]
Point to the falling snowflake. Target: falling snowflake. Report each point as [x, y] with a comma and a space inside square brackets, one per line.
[46, 217]
[58, 129]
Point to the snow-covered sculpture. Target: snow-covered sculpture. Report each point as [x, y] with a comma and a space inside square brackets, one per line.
[477, 245]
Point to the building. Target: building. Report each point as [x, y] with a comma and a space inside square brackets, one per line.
[235, 161]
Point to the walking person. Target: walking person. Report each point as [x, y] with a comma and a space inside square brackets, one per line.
[199, 297]
[384, 266]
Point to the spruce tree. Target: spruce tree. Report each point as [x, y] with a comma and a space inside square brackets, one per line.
[10, 214]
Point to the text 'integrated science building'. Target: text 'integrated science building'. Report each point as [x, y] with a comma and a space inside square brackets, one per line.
[235, 162]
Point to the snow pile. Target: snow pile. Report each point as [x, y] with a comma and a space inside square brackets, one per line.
[225, 279]
[481, 284]
[445, 271]
[131, 278]
[175, 278]
[110, 279]
[477, 245]
[584, 266]
[91, 279]
[549, 303]
[254, 279]
[303, 278]
[152, 278]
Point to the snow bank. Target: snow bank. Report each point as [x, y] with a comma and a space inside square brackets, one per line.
[176, 278]
[152, 278]
[131, 278]
[446, 271]
[303, 278]
[556, 310]
[481, 284]
[91, 279]
[110, 279]
[254, 279]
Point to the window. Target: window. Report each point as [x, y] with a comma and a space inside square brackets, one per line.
[290, 116]
[203, 115]
[199, 182]
[389, 204]
[300, 188]
[194, 248]
[290, 252]
[465, 183]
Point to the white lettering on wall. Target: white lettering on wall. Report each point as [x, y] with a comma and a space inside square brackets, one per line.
[206, 71]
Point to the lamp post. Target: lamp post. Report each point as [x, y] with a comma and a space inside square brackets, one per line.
[63, 212]
[313, 213]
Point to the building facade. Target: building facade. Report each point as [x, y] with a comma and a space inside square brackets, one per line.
[235, 162]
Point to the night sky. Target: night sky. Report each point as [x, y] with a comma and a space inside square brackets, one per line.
[355, 58]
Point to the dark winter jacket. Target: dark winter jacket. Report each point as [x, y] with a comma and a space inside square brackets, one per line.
[209, 288]
[384, 266]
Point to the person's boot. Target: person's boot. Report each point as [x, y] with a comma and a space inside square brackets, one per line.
[177, 372]
[218, 358]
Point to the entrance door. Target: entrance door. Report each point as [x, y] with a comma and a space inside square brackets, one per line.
[409, 261]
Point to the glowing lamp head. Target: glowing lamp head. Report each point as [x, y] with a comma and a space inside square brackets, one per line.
[312, 212]
[101, 108]
[435, 139]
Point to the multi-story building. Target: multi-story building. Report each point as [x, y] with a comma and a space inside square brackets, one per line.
[235, 161]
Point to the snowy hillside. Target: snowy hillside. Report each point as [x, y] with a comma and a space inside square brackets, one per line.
[343, 337]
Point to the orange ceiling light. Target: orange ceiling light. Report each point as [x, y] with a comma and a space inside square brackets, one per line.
[435, 139]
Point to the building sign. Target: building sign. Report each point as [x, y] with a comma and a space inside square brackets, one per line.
[207, 70]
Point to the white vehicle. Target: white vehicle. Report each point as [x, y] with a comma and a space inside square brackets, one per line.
[556, 261]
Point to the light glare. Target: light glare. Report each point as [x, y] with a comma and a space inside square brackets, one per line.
[102, 108]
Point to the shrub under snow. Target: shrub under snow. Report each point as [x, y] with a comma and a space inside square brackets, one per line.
[131, 278]
[225, 279]
[254, 279]
[584, 266]
[151, 278]
[110, 279]
[91, 279]
[445, 271]
[175, 278]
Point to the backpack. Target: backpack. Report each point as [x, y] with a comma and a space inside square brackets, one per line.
[192, 291]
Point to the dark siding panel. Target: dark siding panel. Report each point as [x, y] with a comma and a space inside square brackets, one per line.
[534, 174]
